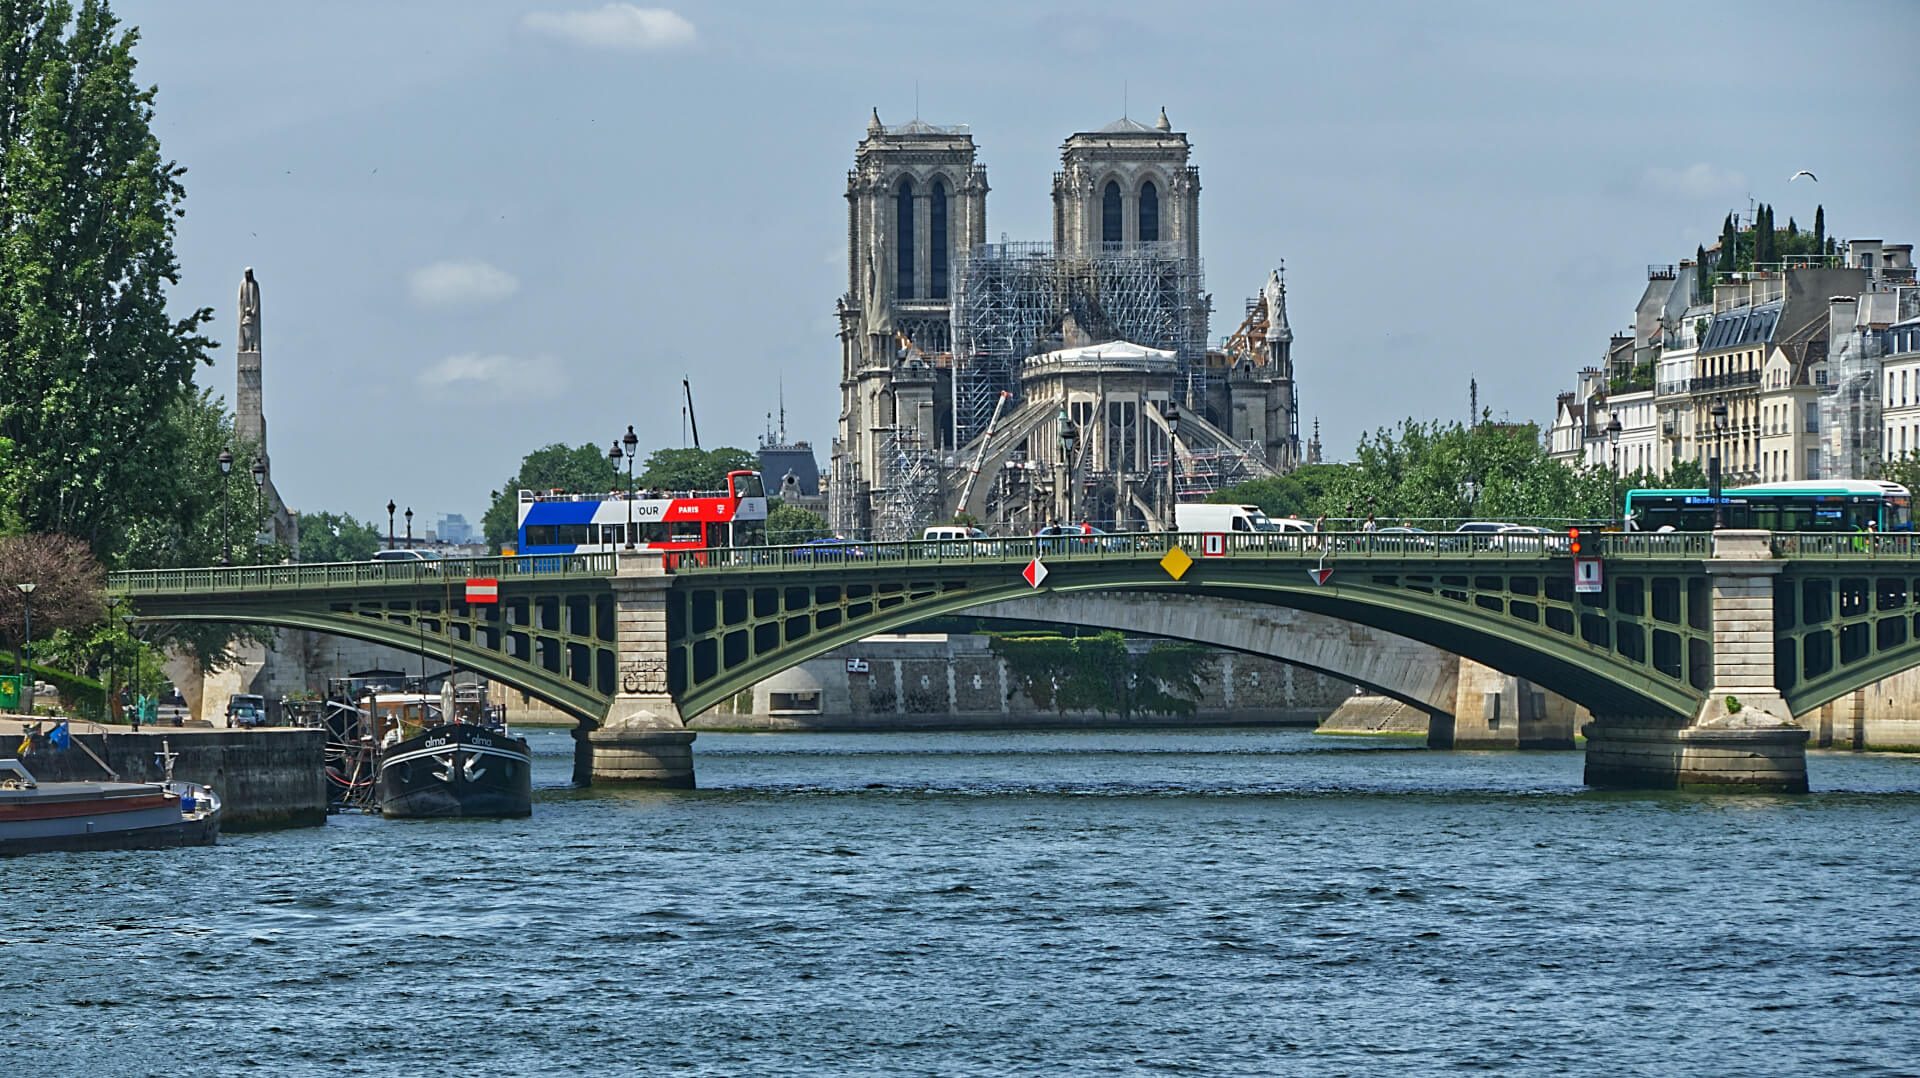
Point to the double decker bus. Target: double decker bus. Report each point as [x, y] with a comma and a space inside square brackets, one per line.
[1811, 505]
[562, 523]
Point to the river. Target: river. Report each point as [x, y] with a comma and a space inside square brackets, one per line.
[1088, 903]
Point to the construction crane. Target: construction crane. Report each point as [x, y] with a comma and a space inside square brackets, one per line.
[973, 473]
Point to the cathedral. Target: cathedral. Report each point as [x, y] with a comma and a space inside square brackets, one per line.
[1022, 383]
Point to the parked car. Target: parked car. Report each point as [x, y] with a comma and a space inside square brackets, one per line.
[247, 710]
[828, 550]
[427, 559]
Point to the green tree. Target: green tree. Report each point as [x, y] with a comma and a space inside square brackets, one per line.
[328, 537]
[580, 469]
[694, 469]
[1819, 229]
[790, 524]
[1098, 672]
[1298, 493]
[1449, 471]
[1702, 281]
[1683, 475]
[89, 356]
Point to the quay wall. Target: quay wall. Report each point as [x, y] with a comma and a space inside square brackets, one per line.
[266, 779]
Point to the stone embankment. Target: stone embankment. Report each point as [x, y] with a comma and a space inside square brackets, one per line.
[268, 779]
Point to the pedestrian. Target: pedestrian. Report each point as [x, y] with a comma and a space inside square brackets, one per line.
[1370, 525]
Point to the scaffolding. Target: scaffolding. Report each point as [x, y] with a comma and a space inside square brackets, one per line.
[1012, 301]
[912, 493]
[1849, 408]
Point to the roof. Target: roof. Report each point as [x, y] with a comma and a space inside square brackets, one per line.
[1742, 326]
[1125, 124]
[922, 127]
[1111, 350]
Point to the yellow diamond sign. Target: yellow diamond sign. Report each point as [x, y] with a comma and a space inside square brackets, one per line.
[1176, 563]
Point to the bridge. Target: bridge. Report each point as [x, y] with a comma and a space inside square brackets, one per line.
[1693, 654]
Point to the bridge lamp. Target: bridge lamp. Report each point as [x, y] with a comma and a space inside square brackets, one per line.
[26, 646]
[409, 527]
[632, 442]
[129, 619]
[390, 508]
[226, 466]
[1613, 441]
[1719, 414]
[259, 491]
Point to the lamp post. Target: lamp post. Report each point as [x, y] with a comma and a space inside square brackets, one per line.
[1173, 455]
[226, 547]
[632, 442]
[409, 527]
[259, 494]
[128, 619]
[1069, 437]
[113, 651]
[1613, 480]
[390, 508]
[26, 646]
[1719, 413]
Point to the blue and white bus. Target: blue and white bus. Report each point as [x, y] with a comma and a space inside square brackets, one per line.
[1811, 505]
[558, 522]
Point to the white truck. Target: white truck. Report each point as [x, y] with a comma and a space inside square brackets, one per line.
[1210, 517]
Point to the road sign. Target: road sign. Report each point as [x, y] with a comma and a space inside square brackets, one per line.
[1320, 576]
[1034, 573]
[1213, 545]
[1586, 575]
[483, 589]
[1176, 563]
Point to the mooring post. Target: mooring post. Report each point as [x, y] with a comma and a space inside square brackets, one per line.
[643, 738]
[1742, 738]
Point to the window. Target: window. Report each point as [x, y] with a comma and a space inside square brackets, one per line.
[1149, 213]
[937, 239]
[1110, 215]
[903, 250]
[1813, 417]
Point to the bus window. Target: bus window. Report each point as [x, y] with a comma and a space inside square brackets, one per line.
[745, 485]
[540, 535]
[1899, 515]
[686, 531]
[572, 534]
[749, 533]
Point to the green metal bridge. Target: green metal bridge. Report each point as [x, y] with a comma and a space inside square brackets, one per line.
[1845, 608]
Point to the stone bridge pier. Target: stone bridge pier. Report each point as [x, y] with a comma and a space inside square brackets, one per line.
[644, 738]
[1742, 737]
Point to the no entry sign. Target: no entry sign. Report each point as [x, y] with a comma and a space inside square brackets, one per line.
[483, 589]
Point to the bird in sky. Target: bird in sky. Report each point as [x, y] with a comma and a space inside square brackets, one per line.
[1803, 172]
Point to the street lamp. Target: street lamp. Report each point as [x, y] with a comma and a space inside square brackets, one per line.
[1719, 414]
[259, 494]
[26, 646]
[409, 527]
[113, 651]
[226, 547]
[129, 619]
[1069, 437]
[632, 442]
[1613, 441]
[390, 509]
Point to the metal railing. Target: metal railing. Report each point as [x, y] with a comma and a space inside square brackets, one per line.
[328, 575]
[1845, 545]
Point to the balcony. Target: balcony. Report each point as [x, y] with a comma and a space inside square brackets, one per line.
[1660, 273]
[1711, 383]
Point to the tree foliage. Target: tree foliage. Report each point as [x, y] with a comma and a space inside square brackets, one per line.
[789, 524]
[694, 469]
[583, 469]
[1298, 493]
[89, 356]
[1491, 470]
[69, 585]
[326, 537]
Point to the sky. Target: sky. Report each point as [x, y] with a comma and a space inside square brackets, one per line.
[485, 226]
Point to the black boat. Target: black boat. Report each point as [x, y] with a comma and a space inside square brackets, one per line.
[456, 769]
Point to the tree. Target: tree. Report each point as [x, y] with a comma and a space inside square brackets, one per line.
[1683, 475]
[694, 469]
[1703, 283]
[1298, 493]
[789, 524]
[69, 585]
[198, 500]
[1496, 471]
[1819, 229]
[336, 537]
[556, 467]
[88, 354]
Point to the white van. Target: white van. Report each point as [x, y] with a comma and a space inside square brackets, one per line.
[1208, 517]
[953, 539]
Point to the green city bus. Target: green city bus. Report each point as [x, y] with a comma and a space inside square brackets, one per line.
[1813, 505]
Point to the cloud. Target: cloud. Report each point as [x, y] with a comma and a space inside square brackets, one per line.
[452, 284]
[501, 377]
[1699, 180]
[627, 27]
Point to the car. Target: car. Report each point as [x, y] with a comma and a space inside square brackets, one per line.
[427, 559]
[827, 550]
[247, 710]
[951, 541]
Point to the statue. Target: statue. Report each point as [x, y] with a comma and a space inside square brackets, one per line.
[249, 313]
[1276, 294]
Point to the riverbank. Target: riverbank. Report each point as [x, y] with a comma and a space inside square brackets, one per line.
[268, 779]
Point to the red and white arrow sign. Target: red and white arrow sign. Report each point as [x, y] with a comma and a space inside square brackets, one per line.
[1320, 576]
[1034, 573]
[483, 589]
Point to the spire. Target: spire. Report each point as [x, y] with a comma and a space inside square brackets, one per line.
[1163, 124]
[873, 123]
[1313, 447]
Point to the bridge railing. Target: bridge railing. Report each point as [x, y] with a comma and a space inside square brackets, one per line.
[1448, 546]
[452, 572]
[1845, 545]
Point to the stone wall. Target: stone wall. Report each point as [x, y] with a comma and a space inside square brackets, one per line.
[926, 680]
[266, 778]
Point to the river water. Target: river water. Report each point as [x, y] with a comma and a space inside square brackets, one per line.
[1192, 902]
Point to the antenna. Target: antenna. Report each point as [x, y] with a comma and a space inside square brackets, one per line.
[1123, 99]
[783, 409]
[1473, 402]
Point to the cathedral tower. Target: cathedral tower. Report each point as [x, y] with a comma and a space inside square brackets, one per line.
[916, 204]
[1126, 186]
